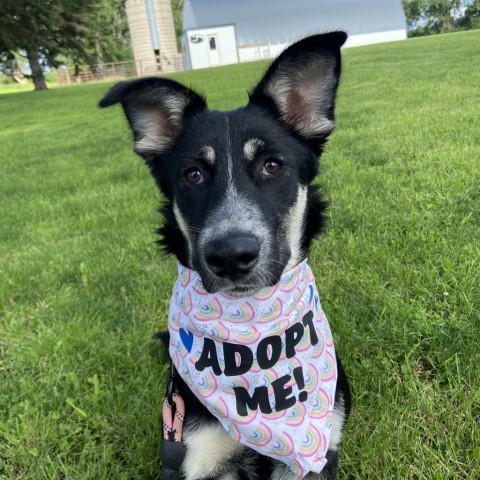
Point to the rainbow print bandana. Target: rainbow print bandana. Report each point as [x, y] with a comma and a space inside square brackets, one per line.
[264, 365]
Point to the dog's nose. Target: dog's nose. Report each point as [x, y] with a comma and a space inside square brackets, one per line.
[232, 256]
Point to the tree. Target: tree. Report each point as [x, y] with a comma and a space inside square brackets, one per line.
[41, 30]
[12, 65]
[108, 38]
[425, 17]
[113, 35]
[177, 7]
[442, 15]
[472, 16]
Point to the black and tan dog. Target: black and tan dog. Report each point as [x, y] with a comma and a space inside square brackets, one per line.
[240, 209]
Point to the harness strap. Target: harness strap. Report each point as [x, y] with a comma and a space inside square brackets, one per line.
[173, 417]
[173, 449]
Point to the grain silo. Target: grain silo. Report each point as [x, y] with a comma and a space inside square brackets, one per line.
[153, 36]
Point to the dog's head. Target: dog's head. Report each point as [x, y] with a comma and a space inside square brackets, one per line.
[239, 207]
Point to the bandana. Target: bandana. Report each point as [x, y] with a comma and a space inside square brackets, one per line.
[264, 365]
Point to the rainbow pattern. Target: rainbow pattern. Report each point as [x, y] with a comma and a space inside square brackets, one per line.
[182, 351]
[297, 468]
[206, 386]
[293, 300]
[299, 310]
[311, 442]
[292, 364]
[330, 370]
[290, 281]
[183, 369]
[244, 313]
[320, 404]
[211, 310]
[220, 332]
[249, 419]
[296, 415]
[268, 377]
[233, 432]
[265, 293]
[184, 276]
[192, 360]
[275, 416]
[279, 327]
[261, 436]
[185, 303]
[220, 408]
[284, 445]
[320, 350]
[247, 336]
[328, 336]
[272, 313]
[177, 347]
[311, 378]
[304, 344]
[241, 381]
[198, 287]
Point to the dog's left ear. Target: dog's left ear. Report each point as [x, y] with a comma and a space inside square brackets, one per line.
[301, 84]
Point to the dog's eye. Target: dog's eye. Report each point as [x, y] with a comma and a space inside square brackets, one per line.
[193, 176]
[272, 167]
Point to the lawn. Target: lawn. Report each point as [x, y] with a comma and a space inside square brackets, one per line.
[83, 285]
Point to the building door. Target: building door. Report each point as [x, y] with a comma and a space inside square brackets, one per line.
[213, 54]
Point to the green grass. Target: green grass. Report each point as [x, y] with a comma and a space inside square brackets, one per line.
[83, 286]
[8, 85]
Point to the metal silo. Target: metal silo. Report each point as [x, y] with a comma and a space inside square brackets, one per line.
[153, 36]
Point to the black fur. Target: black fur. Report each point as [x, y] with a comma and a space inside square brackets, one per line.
[287, 121]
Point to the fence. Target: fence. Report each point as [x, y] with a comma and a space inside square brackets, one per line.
[116, 71]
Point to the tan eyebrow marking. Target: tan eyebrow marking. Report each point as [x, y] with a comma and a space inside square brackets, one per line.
[250, 148]
[208, 154]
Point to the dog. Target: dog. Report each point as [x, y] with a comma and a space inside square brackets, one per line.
[240, 210]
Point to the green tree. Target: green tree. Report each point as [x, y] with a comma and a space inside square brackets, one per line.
[52, 32]
[177, 10]
[41, 31]
[442, 15]
[471, 18]
[108, 39]
[425, 17]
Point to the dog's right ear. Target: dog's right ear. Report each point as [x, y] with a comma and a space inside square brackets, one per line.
[156, 109]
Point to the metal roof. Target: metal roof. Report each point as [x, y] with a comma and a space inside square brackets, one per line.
[284, 21]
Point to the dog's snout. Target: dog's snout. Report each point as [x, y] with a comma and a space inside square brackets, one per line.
[232, 256]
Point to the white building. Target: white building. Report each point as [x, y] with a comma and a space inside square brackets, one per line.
[221, 32]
